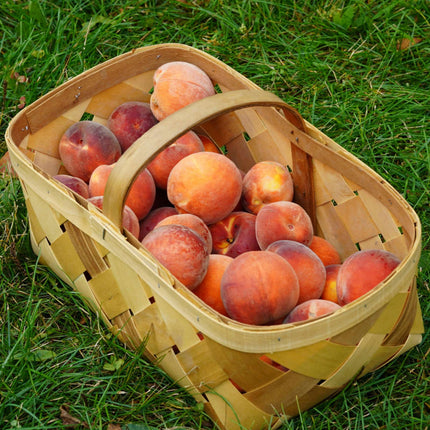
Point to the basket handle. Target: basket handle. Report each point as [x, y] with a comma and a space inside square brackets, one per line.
[158, 137]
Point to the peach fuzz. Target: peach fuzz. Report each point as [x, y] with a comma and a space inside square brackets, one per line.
[309, 268]
[325, 251]
[209, 290]
[164, 161]
[234, 234]
[181, 251]
[311, 309]
[259, 287]
[283, 220]
[266, 182]
[329, 291]
[363, 271]
[153, 218]
[192, 221]
[129, 121]
[86, 145]
[205, 184]
[75, 184]
[142, 191]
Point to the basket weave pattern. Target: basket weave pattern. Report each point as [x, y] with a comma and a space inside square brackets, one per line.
[222, 362]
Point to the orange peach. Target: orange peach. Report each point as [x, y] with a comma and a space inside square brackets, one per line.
[309, 268]
[258, 287]
[141, 195]
[153, 218]
[283, 220]
[75, 184]
[180, 250]
[325, 250]
[329, 292]
[205, 184]
[209, 290]
[266, 182]
[86, 145]
[234, 234]
[311, 309]
[209, 144]
[164, 161]
[363, 271]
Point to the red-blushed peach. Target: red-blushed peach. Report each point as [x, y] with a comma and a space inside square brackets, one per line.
[309, 268]
[75, 184]
[209, 290]
[86, 145]
[129, 218]
[141, 196]
[329, 292]
[363, 271]
[209, 144]
[129, 121]
[164, 161]
[177, 84]
[311, 309]
[283, 220]
[193, 222]
[266, 182]
[180, 250]
[153, 218]
[325, 251]
[205, 184]
[234, 234]
[258, 287]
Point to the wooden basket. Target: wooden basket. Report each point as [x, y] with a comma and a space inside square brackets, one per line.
[221, 362]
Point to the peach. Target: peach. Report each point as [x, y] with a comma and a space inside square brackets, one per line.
[192, 221]
[209, 290]
[209, 144]
[266, 182]
[141, 195]
[325, 251]
[153, 218]
[75, 184]
[129, 121]
[180, 250]
[258, 287]
[129, 218]
[329, 291]
[86, 145]
[283, 220]
[205, 184]
[177, 84]
[234, 234]
[164, 161]
[309, 268]
[363, 271]
[311, 309]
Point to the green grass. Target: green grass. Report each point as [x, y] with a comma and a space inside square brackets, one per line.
[336, 61]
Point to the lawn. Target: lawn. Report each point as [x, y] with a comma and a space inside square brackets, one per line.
[357, 70]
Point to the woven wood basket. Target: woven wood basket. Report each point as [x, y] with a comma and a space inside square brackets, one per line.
[142, 302]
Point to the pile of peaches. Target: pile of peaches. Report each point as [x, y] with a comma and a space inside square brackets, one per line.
[236, 239]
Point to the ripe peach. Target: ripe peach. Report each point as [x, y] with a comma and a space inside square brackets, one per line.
[311, 309]
[164, 162]
[266, 182]
[234, 234]
[86, 145]
[325, 250]
[141, 195]
[208, 144]
[205, 184]
[309, 268]
[181, 251]
[283, 220]
[129, 121]
[153, 218]
[129, 218]
[363, 271]
[258, 287]
[329, 291]
[209, 290]
[177, 84]
[192, 221]
[75, 184]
